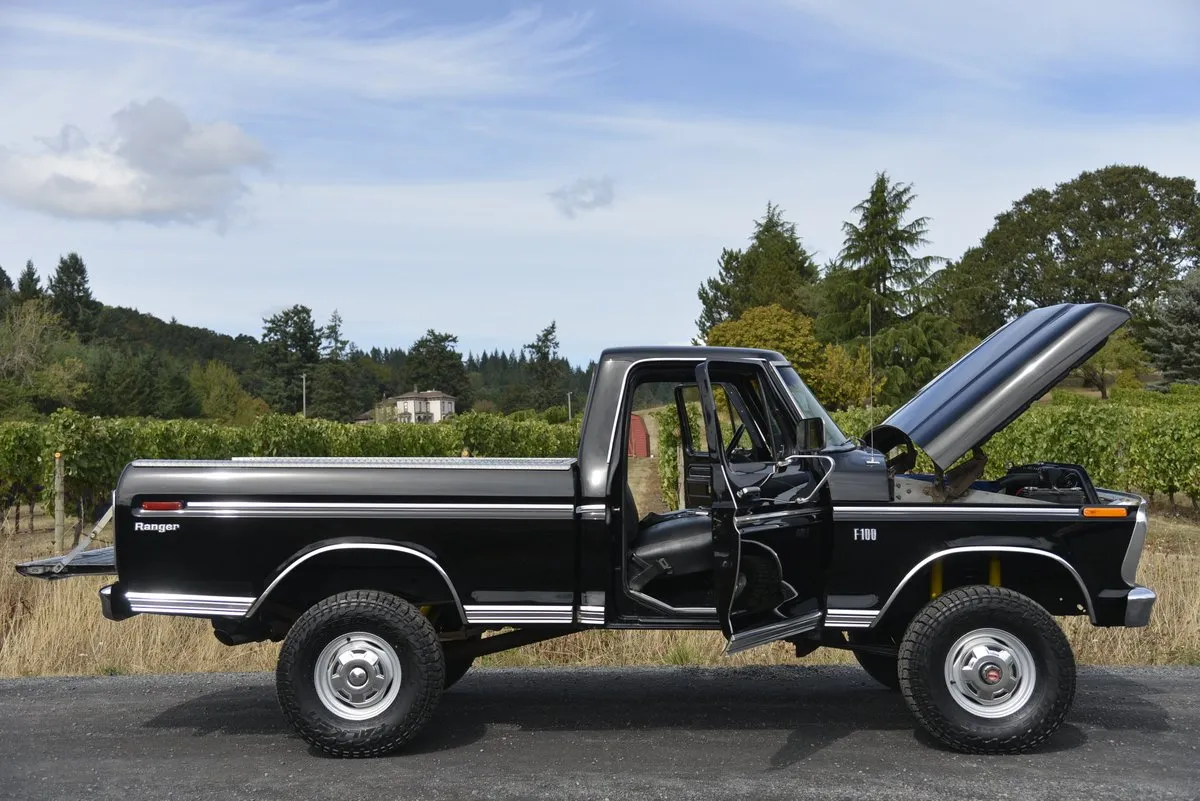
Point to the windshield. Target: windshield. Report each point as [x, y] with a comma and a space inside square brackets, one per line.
[809, 406]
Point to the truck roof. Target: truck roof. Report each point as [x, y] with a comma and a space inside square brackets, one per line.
[638, 352]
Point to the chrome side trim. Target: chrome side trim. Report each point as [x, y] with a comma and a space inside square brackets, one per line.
[363, 546]
[424, 462]
[775, 631]
[1137, 542]
[505, 613]
[235, 508]
[924, 512]
[1087, 597]
[169, 603]
[850, 618]
[592, 615]
[592, 511]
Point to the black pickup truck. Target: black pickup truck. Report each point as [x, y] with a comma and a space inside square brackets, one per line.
[386, 578]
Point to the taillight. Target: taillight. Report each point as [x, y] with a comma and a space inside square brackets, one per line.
[162, 506]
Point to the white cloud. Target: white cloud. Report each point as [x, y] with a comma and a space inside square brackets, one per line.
[585, 194]
[157, 167]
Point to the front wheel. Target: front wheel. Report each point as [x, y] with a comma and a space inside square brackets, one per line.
[360, 674]
[987, 671]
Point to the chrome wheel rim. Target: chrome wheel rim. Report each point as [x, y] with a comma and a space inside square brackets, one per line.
[990, 673]
[357, 676]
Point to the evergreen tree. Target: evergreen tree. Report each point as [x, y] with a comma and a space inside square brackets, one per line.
[291, 347]
[6, 284]
[774, 269]
[877, 280]
[1174, 340]
[71, 296]
[29, 286]
[549, 373]
[434, 364]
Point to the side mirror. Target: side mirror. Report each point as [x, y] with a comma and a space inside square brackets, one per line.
[810, 434]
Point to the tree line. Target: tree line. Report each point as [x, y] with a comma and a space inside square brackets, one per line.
[883, 317]
[62, 348]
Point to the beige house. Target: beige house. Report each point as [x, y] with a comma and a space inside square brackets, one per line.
[430, 406]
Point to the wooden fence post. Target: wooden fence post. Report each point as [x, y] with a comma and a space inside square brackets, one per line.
[60, 504]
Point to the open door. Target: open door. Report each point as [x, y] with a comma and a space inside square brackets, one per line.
[766, 571]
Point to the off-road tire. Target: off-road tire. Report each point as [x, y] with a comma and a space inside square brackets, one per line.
[922, 664]
[457, 665]
[400, 625]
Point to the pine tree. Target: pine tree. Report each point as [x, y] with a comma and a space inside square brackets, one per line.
[877, 279]
[1174, 340]
[29, 286]
[774, 269]
[6, 284]
[71, 296]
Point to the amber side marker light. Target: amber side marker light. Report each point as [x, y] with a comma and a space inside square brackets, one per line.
[1105, 511]
[162, 506]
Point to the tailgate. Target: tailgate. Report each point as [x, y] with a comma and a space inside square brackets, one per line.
[96, 562]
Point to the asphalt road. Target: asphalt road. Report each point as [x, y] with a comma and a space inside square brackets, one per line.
[679, 733]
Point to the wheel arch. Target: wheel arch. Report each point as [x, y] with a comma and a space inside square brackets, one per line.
[1067, 578]
[406, 569]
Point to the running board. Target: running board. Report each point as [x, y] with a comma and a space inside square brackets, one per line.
[763, 635]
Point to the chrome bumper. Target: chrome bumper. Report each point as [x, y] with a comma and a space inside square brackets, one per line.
[1138, 605]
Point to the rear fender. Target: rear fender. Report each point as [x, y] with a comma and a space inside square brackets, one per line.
[333, 566]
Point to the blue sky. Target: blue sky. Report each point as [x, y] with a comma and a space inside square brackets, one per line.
[485, 167]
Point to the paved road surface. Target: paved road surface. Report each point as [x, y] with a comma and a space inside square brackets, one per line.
[680, 733]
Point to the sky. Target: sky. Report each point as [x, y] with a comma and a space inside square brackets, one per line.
[484, 167]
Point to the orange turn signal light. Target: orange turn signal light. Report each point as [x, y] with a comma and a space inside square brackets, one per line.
[1105, 511]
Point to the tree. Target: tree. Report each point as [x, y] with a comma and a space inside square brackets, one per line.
[291, 346]
[1120, 355]
[877, 279]
[333, 344]
[774, 269]
[550, 373]
[37, 370]
[222, 396]
[6, 284]
[969, 293]
[71, 296]
[842, 380]
[434, 364]
[1118, 235]
[29, 286]
[1174, 339]
[772, 328]
[910, 354]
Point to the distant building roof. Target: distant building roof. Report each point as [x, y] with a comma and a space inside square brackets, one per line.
[429, 393]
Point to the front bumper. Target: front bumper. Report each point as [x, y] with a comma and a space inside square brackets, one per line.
[1138, 605]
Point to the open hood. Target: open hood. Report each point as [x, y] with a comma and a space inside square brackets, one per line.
[985, 390]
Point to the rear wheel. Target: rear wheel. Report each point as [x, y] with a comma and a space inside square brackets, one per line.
[360, 674]
[987, 670]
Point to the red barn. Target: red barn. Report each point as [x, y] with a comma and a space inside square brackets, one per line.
[639, 437]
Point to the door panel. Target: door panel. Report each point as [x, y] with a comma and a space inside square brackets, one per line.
[769, 553]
